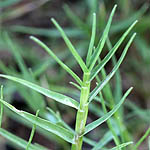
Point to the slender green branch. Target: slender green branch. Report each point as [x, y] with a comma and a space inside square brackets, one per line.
[32, 132]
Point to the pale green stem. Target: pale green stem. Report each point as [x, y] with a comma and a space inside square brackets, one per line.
[32, 132]
[82, 112]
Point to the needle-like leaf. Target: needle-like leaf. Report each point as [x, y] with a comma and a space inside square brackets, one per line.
[54, 95]
[91, 45]
[50, 52]
[110, 75]
[101, 120]
[70, 46]
[102, 40]
[98, 68]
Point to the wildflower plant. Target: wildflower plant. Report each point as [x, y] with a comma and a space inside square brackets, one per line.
[91, 68]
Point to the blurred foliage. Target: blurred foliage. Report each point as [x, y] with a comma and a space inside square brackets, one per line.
[20, 57]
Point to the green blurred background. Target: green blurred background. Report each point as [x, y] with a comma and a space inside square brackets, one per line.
[21, 57]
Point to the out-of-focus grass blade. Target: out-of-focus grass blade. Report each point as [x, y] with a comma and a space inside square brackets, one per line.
[47, 125]
[102, 40]
[6, 3]
[18, 141]
[75, 19]
[56, 96]
[101, 120]
[98, 68]
[70, 46]
[93, 6]
[14, 48]
[121, 146]
[91, 45]
[147, 133]
[16, 12]
[105, 81]
[118, 86]
[121, 25]
[137, 111]
[6, 70]
[143, 49]
[57, 59]
[70, 32]
[35, 103]
[104, 140]
[109, 122]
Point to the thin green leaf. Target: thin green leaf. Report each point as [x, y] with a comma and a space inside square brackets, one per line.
[32, 132]
[54, 95]
[101, 120]
[47, 125]
[110, 75]
[57, 59]
[18, 141]
[121, 145]
[91, 45]
[71, 47]
[102, 40]
[98, 68]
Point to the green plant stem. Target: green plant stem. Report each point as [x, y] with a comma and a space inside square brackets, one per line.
[82, 112]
